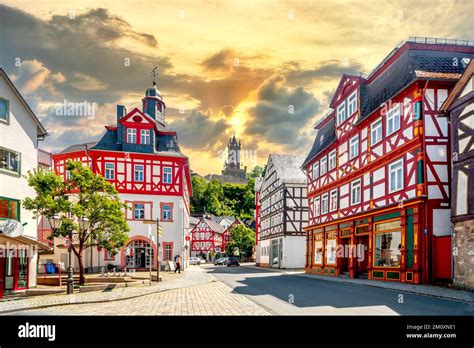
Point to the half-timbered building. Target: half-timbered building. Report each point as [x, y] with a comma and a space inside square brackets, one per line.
[206, 237]
[459, 107]
[140, 156]
[378, 171]
[283, 212]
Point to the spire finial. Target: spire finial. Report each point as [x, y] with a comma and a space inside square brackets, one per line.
[154, 73]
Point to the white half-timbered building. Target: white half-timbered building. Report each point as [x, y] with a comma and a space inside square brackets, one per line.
[283, 211]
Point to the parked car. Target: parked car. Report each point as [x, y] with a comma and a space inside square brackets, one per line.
[233, 261]
[194, 261]
[221, 261]
[202, 260]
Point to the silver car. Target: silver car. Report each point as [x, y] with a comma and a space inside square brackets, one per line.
[194, 261]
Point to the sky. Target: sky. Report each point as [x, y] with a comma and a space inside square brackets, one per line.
[262, 70]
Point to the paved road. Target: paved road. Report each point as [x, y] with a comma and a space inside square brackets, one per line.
[293, 295]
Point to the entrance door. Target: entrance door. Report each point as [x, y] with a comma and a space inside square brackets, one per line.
[2, 275]
[344, 260]
[362, 259]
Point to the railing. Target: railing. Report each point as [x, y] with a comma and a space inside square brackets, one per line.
[440, 41]
[44, 158]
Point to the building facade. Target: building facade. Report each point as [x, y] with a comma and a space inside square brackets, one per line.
[282, 213]
[378, 170]
[20, 132]
[459, 107]
[141, 157]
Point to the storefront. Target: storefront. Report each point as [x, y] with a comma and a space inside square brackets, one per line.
[384, 246]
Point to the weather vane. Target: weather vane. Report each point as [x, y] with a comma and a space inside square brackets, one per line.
[154, 73]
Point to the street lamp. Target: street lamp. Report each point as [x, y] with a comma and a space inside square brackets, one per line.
[55, 223]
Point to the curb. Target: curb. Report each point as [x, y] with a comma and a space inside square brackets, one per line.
[371, 284]
[73, 301]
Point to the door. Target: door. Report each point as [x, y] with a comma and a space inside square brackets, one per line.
[2, 275]
[344, 260]
[362, 258]
[442, 260]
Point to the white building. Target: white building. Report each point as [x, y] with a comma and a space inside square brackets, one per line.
[282, 207]
[20, 131]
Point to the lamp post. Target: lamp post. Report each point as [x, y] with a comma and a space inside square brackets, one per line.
[84, 224]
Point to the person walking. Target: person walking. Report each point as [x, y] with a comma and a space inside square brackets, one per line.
[178, 264]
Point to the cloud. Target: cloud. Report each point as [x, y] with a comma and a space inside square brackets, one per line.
[220, 61]
[32, 75]
[198, 131]
[280, 112]
[87, 83]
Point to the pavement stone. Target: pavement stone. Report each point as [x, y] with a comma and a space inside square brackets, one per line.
[429, 290]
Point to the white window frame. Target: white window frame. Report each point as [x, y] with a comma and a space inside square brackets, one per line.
[135, 210]
[315, 165]
[167, 213]
[145, 136]
[317, 206]
[109, 172]
[352, 154]
[138, 171]
[332, 160]
[167, 175]
[325, 197]
[341, 110]
[354, 184]
[323, 163]
[373, 131]
[393, 114]
[352, 104]
[131, 135]
[399, 181]
[333, 196]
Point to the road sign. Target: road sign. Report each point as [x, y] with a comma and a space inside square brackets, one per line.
[188, 238]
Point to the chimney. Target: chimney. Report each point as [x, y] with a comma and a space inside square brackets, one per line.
[121, 112]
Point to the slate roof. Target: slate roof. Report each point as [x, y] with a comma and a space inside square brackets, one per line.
[324, 137]
[79, 147]
[288, 168]
[215, 226]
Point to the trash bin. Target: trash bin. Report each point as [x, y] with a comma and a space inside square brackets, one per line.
[50, 268]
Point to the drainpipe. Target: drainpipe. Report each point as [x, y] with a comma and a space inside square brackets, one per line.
[426, 238]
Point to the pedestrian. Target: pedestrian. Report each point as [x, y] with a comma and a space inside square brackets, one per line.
[178, 264]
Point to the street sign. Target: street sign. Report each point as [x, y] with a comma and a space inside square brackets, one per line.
[188, 238]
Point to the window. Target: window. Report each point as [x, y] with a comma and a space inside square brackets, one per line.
[139, 172]
[341, 113]
[68, 175]
[168, 254]
[324, 165]
[333, 200]
[387, 244]
[315, 171]
[395, 176]
[145, 136]
[376, 132]
[109, 255]
[318, 252]
[166, 212]
[110, 171]
[139, 211]
[10, 161]
[22, 279]
[352, 103]
[167, 178]
[131, 135]
[4, 110]
[355, 192]
[354, 147]
[393, 119]
[9, 208]
[317, 206]
[324, 204]
[332, 160]
[331, 251]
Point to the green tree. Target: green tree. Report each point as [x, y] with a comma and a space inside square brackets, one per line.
[257, 171]
[198, 199]
[242, 238]
[84, 195]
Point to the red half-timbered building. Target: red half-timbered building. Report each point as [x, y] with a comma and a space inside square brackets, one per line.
[378, 171]
[141, 157]
[206, 236]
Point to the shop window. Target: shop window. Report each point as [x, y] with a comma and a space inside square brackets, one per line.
[318, 252]
[388, 244]
[331, 251]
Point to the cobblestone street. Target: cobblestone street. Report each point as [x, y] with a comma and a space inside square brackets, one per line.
[213, 298]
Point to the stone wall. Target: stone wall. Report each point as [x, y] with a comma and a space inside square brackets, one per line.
[463, 252]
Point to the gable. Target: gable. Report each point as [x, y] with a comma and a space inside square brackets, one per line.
[345, 85]
[137, 118]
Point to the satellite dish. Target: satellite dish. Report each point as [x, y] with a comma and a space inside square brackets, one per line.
[12, 228]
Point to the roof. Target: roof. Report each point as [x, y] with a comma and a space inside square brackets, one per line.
[79, 147]
[324, 137]
[215, 226]
[458, 87]
[41, 130]
[258, 184]
[288, 168]
[193, 220]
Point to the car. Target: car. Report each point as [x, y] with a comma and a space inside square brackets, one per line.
[221, 261]
[194, 261]
[233, 261]
[202, 260]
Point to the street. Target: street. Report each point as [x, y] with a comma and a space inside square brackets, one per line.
[248, 291]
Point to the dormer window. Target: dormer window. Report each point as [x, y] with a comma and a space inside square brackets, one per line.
[341, 113]
[145, 136]
[352, 104]
[131, 135]
[347, 108]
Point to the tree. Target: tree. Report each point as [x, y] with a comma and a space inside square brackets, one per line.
[84, 195]
[242, 238]
[256, 172]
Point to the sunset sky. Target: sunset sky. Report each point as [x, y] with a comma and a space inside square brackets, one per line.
[224, 66]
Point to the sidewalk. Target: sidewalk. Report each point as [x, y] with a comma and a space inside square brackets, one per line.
[192, 276]
[427, 290]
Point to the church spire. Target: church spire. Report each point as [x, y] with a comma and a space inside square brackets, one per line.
[153, 104]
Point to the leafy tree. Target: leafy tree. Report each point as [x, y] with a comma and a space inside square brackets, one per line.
[257, 171]
[242, 238]
[84, 196]
[198, 199]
